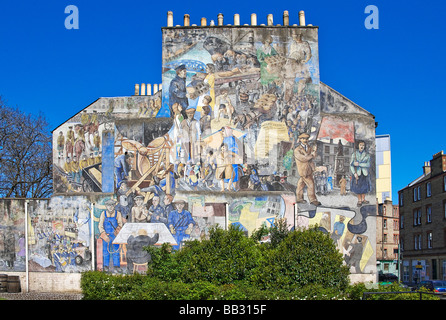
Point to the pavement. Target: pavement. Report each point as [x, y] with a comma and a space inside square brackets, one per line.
[40, 296]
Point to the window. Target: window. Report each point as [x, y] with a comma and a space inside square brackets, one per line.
[395, 224]
[428, 213]
[401, 222]
[385, 223]
[428, 189]
[395, 238]
[417, 242]
[444, 208]
[402, 199]
[385, 237]
[429, 240]
[416, 193]
[417, 217]
[444, 183]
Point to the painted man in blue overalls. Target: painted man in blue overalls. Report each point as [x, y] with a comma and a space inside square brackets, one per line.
[110, 223]
[180, 223]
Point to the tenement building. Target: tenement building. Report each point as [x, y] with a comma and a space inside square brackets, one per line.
[387, 218]
[422, 207]
[240, 132]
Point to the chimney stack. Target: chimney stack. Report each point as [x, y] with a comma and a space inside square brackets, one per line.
[427, 167]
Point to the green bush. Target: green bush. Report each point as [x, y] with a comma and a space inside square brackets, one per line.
[302, 258]
[230, 266]
[227, 256]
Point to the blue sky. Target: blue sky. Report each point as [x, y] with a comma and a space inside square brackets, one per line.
[395, 72]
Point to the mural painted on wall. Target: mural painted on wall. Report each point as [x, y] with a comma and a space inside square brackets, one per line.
[122, 230]
[12, 235]
[243, 133]
[79, 142]
[250, 213]
[59, 235]
[239, 99]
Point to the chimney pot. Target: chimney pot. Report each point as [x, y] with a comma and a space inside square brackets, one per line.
[137, 89]
[253, 19]
[186, 20]
[236, 19]
[220, 19]
[302, 18]
[270, 20]
[286, 18]
[169, 18]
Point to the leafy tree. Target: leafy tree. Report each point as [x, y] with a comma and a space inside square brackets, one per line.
[25, 154]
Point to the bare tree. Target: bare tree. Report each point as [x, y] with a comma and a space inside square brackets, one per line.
[25, 154]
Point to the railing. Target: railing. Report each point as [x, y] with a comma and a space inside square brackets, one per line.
[441, 295]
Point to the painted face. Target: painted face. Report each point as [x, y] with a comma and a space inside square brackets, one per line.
[182, 73]
[180, 206]
[361, 146]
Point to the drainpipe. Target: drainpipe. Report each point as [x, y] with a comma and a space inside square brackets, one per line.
[92, 236]
[227, 215]
[26, 246]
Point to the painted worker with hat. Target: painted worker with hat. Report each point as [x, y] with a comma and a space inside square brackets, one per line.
[190, 135]
[180, 223]
[177, 89]
[304, 155]
[110, 223]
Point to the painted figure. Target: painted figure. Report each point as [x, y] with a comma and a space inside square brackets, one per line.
[177, 89]
[180, 223]
[110, 223]
[156, 211]
[123, 165]
[304, 155]
[190, 135]
[140, 212]
[359, 167]
[135, 249]
[265, 51]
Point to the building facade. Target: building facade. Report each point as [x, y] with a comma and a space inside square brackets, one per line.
[241, 132]
[387, 238]
[387, 218]
[422, 206]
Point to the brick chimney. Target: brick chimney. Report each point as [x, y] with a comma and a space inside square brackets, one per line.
[427, 167]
